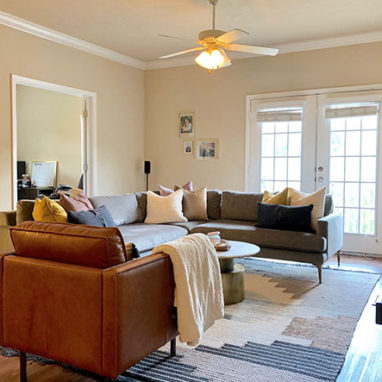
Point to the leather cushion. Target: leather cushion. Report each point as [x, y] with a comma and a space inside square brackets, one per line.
[69, 243]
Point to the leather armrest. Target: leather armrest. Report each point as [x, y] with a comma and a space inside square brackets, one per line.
[137, 311]
[331, 227]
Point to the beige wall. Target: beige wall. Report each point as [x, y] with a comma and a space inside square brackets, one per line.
[120, 106]
[49, 128]
[219, 101]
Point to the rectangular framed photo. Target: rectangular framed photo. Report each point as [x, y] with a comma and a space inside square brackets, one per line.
[188, 148]
[207, 149]
[187, 125]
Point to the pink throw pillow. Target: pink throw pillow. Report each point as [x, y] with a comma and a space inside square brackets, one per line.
[81, 197]
[164, 191]
[76, 205]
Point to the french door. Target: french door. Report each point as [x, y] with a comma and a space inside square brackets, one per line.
[323, 140]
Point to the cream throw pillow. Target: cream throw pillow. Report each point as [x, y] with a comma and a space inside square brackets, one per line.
[194, 203]
[280, 198]
[164, 209]
[297, 198]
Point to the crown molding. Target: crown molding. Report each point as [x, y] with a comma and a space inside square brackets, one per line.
[73, 42]
[64, 39]
[332, 42]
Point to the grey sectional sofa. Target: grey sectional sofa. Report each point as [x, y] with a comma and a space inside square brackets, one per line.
[234, 214]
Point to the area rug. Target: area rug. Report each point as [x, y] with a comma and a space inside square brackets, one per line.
[289, 328]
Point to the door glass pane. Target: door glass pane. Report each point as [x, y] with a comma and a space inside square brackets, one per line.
[352, 173]
[280, 155]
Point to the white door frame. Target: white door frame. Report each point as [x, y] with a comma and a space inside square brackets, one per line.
[91, 141]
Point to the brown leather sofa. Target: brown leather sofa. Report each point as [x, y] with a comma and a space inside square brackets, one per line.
[71, 294]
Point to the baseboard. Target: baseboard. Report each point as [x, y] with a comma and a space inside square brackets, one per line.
[363, 254]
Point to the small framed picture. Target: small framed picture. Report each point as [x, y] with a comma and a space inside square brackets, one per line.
[207, 149]
[188, 148]
[186, 125]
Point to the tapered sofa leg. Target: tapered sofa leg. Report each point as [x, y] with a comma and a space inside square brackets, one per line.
[319, 268]
[23, 367]
[173, 347]
[339, 258]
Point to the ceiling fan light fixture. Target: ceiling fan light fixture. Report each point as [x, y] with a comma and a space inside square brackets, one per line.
[212, 59]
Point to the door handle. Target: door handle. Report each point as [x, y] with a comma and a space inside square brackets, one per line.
[320, 179]
[320, 169]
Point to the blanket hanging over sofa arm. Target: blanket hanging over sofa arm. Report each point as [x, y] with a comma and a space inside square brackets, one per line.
[198, 286]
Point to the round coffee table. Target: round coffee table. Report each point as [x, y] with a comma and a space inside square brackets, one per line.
[233, 274]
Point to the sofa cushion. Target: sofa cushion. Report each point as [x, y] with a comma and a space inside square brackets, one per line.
[99, 217]
[123, 208]
[284, 217]
[214, 200]
[264, 237]
[189, 225]
[47, 210]
[276, 198]
[194, 203]
[147, 236]
[240, 205]
[72, 204]
[24, 211]
[68, 243]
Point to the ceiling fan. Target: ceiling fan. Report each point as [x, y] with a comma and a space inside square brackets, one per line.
[213, 44]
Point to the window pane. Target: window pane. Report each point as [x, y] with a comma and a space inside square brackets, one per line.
[281, 145]
[281, 127]
[337, 192]
[351, 220]
[337, 169]
[267, 168]
[267, 145]
[294, 168]
[337, 124]
[337, 143]
[351, 194]
[352, 169]
[353, 142]
[294, 147]
[369, 142]
[368, 195]
[267, 127]
[281, 168]
[279, 186]
[368, 169]
[295, 127]
[295, 185]
[267, 185]
[369, 122]
[353, 123]
[367, 222]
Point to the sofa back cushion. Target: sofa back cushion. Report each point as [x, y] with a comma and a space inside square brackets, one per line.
[214, 201]
[96, 247]
[24, 211]
[329, 206]
[240, 205]
[123, 208]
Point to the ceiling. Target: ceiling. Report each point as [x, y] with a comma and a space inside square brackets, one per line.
[131, 27]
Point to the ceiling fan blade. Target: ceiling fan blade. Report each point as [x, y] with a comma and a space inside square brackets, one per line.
[176, 37]
[253, 49]
[232, 35]
[183, 52]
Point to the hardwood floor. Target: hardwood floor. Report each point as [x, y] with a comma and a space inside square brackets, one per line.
[363, 361]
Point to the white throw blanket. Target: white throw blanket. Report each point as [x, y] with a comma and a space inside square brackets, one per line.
[198, 286]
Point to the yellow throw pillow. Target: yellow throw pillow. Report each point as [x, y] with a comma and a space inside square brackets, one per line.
[279, 198]
[317, 198]
[47, 210]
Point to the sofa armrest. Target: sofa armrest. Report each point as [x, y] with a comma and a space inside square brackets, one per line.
[331, 227]
[137, 311]
[8, 218]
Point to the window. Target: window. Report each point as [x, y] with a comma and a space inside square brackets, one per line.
[281, 136]
[353, 164]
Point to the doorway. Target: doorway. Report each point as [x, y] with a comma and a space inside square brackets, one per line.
[53, 136]
[322, 138]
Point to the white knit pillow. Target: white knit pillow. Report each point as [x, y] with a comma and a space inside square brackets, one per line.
[317, 198]
[164, 209]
